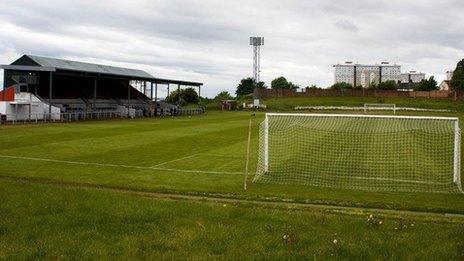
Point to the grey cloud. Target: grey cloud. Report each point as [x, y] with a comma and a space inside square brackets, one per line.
[207, 40]
[346, 25]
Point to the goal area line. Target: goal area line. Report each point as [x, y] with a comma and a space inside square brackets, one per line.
[379, 179]
[121, 165]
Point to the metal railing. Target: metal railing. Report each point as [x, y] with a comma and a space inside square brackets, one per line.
[191, 111]
[179, 111]
[33, 118]
[59, 117]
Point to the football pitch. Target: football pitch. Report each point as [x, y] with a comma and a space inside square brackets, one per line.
[96, 186]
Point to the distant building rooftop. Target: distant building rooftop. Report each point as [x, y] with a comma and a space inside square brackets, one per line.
[350, 63]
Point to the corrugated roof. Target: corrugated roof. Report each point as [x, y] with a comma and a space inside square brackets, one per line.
[88, 67]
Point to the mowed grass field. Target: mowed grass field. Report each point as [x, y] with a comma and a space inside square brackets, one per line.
[47, 172]
[202, 155]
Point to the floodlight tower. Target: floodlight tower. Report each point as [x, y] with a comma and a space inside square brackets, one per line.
[256, 42]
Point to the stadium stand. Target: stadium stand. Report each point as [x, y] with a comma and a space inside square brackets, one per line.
[66, 87]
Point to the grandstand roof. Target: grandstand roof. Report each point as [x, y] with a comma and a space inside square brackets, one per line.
[39, 63]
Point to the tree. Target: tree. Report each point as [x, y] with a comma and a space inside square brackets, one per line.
[372, 86]
[173, 97]
[188, 95]
[279, 83]
[261, 85]
[312, 87]
[387, 85]
[282, 83]
[224, 95]
[457, 81]
[427, 85]
[292, 86]
[341, 85]
[246, 86]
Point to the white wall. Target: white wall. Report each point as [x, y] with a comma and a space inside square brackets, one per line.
[3, 107]
[27, 106]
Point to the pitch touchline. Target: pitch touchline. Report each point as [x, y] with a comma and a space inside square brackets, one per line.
[121, 166]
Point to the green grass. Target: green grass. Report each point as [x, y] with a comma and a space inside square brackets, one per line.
[198, 155]
[48, 210]
[40, 221]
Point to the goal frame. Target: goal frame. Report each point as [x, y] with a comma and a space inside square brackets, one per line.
[457, 135]
[392, 107]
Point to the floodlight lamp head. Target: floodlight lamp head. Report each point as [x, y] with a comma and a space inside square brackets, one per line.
[256, 40]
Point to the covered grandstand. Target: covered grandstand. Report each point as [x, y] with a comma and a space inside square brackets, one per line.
[41, 88]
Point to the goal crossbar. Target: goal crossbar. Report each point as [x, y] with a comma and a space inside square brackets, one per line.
[364, 116]
[266, 157]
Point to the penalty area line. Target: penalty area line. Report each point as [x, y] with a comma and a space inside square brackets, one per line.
[174, 160]
[121, 165]
[199, 154]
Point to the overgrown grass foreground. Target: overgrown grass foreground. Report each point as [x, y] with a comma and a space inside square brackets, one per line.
[40, 221]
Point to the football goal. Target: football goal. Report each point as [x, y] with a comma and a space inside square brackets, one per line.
[380, 107]
[365, 152]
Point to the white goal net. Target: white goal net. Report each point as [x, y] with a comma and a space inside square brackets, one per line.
[367, 152]
[379, 107]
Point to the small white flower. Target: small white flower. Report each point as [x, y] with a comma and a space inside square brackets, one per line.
[335, 241]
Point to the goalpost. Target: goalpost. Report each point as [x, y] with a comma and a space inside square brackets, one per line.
[366, 152]
[380, 107]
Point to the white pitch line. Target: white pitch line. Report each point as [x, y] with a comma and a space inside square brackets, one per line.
[120, 165]
[174, 160]
[227, 156]
[381, 179]
[200, 171]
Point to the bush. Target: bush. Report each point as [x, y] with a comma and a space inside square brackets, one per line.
[341, 85]
[387, 85]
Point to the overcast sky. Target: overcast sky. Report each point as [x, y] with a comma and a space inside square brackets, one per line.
[207, 41]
